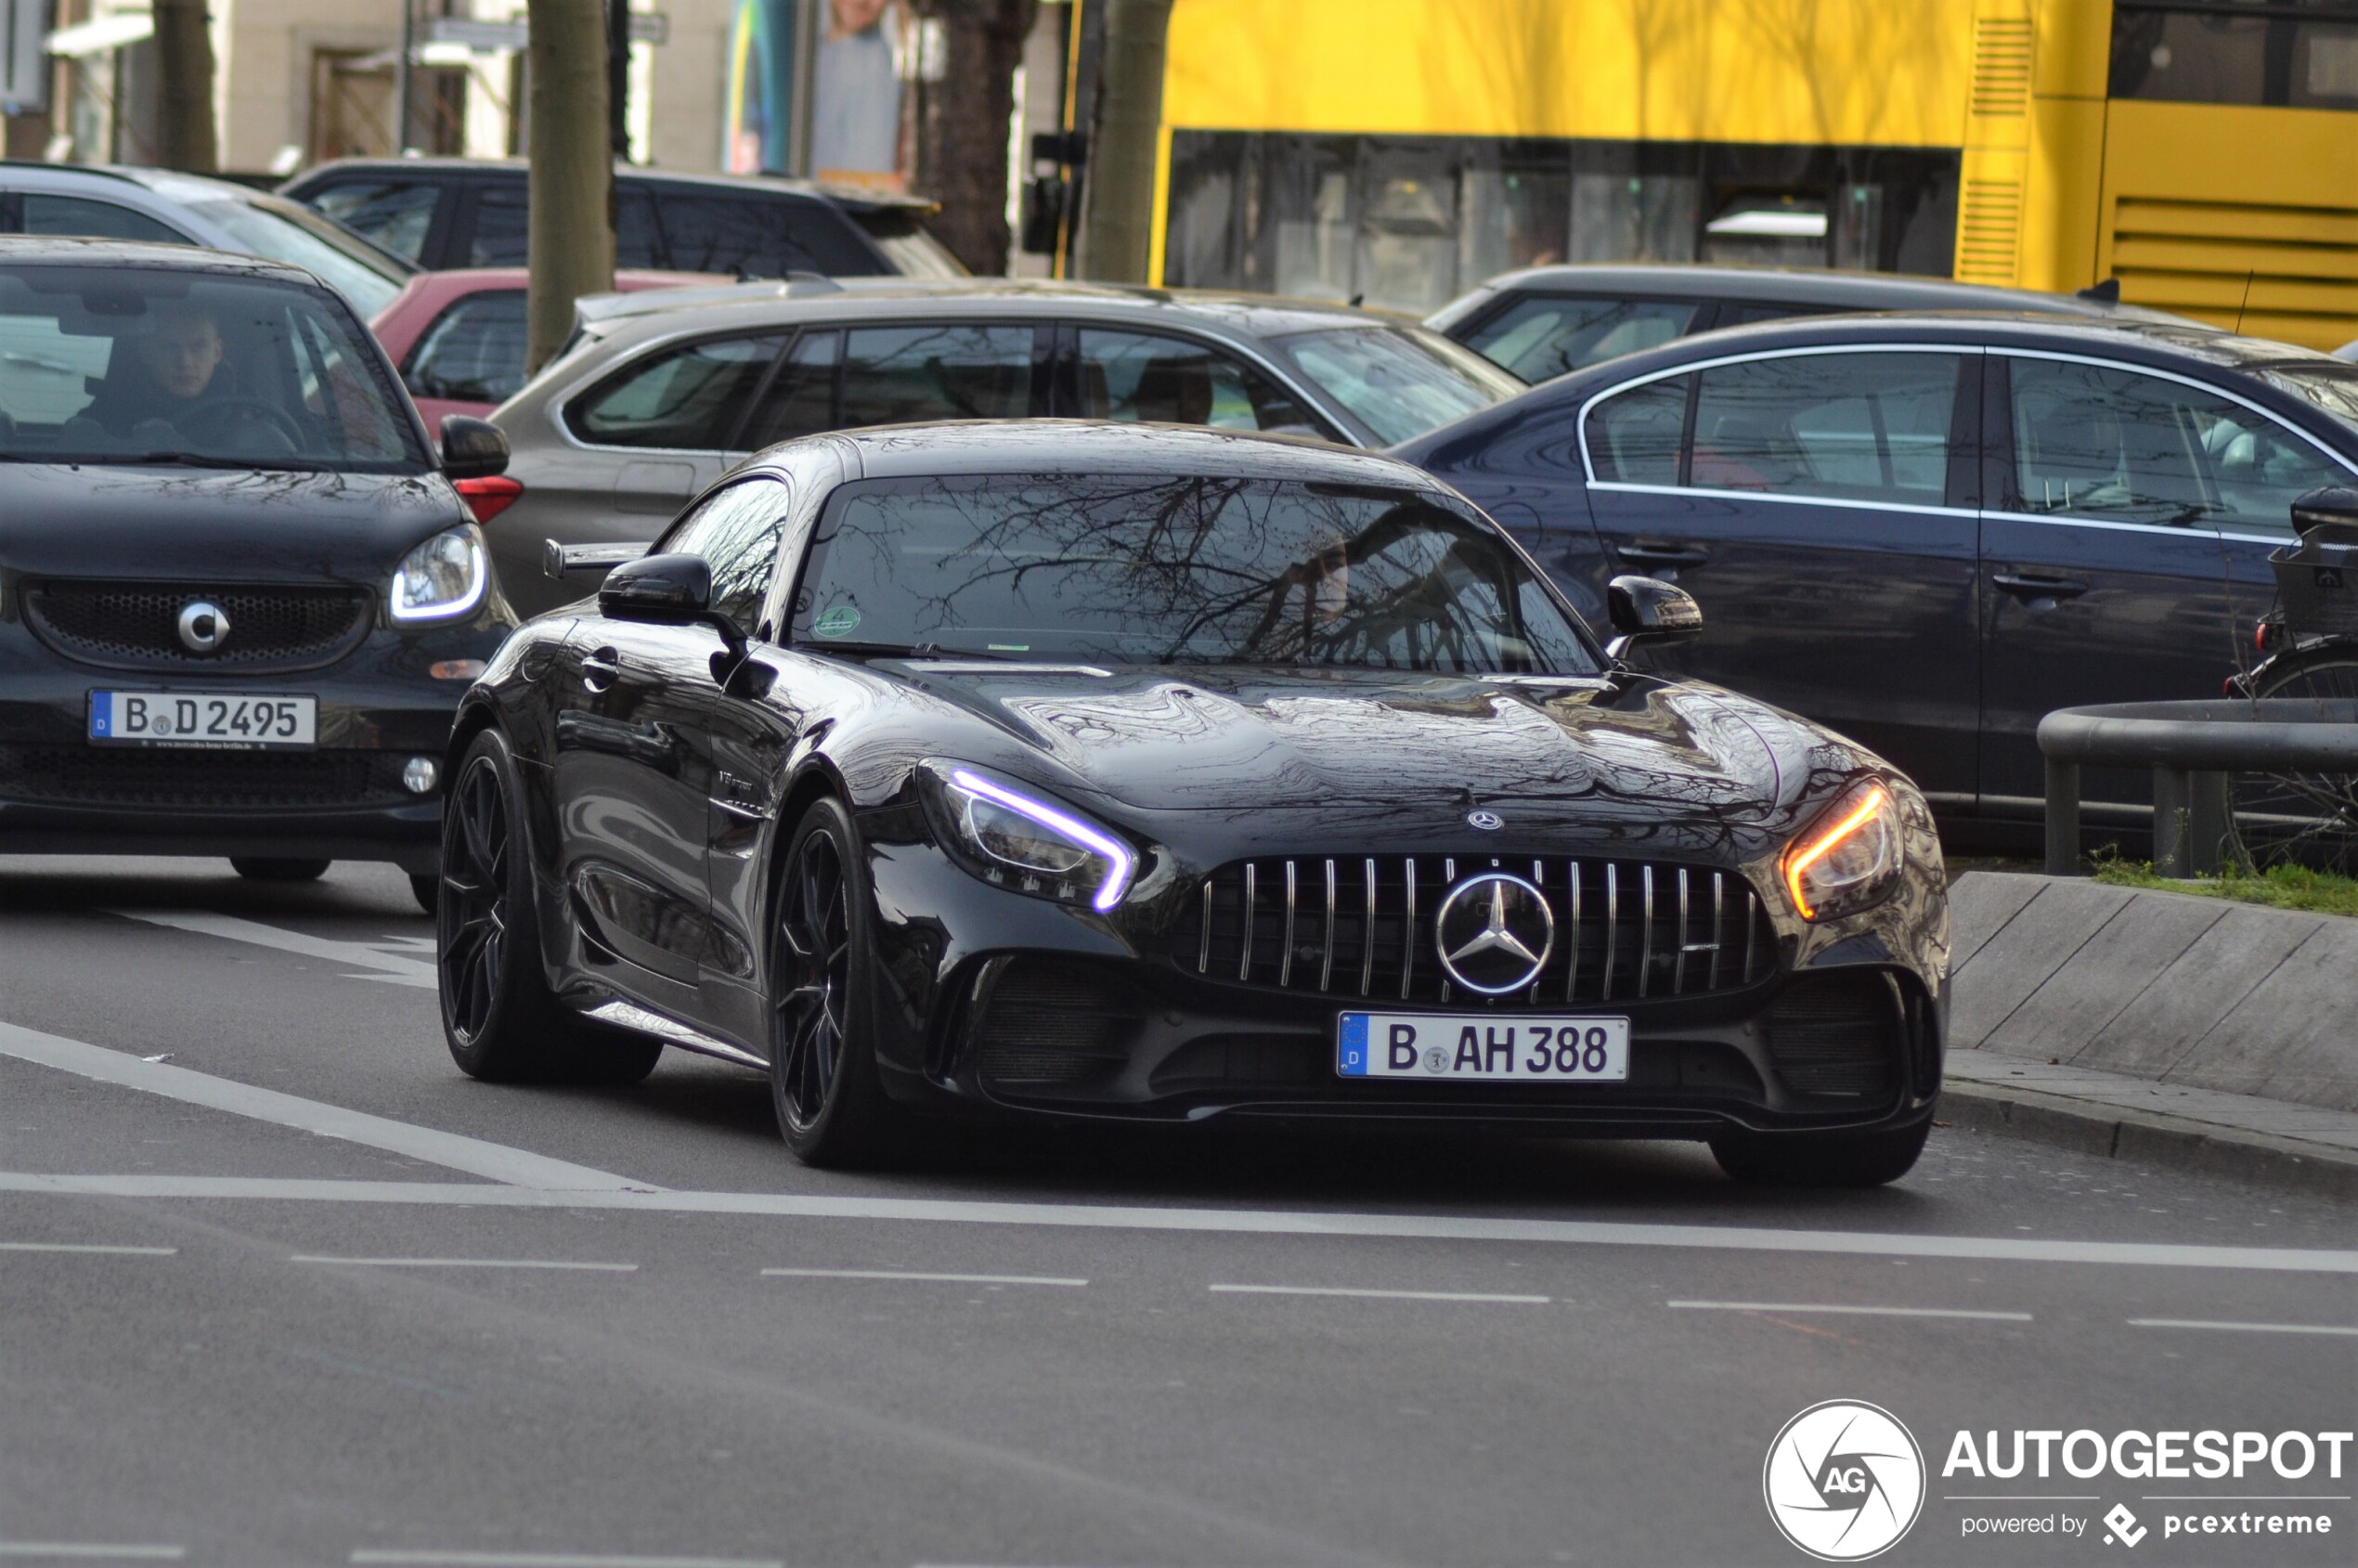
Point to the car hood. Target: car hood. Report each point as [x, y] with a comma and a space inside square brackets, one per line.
[216, 525]
[1399, 754]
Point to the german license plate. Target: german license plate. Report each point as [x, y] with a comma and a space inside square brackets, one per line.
[237, 720]
[1518, 1050]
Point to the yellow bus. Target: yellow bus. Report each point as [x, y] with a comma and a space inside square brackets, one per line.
[2204, 152]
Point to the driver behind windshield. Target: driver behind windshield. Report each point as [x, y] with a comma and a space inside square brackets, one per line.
[167, 373]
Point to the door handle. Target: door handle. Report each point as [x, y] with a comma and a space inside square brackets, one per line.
[601, 668]
[2025, 586]
[1647, 553]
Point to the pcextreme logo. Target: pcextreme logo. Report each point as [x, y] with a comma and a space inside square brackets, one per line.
[1844, 1481]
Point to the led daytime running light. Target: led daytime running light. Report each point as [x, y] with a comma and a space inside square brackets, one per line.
[478, 581]
[1125, 862]
[1877, 799]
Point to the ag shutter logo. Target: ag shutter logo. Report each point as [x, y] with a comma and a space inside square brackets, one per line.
[1844, 1481]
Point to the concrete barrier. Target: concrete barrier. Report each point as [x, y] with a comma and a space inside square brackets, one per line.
[2168, 987]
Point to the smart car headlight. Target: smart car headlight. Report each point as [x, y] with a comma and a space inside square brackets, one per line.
[1849, 857]
[1029, 841]
[445, 577]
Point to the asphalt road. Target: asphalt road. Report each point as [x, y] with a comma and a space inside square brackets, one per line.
[534, 1329]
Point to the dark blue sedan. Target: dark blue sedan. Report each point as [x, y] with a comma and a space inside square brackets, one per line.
[1929, 530]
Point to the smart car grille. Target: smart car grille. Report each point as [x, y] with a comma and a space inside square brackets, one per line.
[1837, 1034]
[136, 626]
[1364, 927]
[190, 780]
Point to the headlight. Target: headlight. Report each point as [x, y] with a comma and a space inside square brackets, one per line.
[445, 577]
[1028, 842]
[1849, 857]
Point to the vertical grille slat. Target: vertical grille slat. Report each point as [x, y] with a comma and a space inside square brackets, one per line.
[1625, 929]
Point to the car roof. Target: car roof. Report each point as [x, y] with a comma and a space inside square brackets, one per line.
[857, 198]
[80, 251]
[169, 183]
[1086, 446]
[1793, 285]
[817, 299]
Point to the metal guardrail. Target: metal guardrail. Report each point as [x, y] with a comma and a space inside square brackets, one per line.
[2192, 748]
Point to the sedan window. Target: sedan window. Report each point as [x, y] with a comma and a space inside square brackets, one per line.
[1546, 335]
[1858, 426]
[1398, 381]
[1635, 436]
[474, 351]
[1145, 570]
[940, 370]
[737, 531]
[686, 398]
[1143, 376]
[2099, 442]
[395, 213]
[96, 220]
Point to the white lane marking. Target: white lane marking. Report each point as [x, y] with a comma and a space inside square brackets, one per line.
[476, 1157]
[1230, 1221]
[390, 967]
[1371, 1295]
[1858, 1311]
[95, 1551]
[550, 1559]
[895, 1274]
[2241, 1327]
[101, 1251]
[463, 1263]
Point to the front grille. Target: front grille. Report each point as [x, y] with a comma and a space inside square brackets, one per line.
[1837, 1035]
[194, 780]
[1052, 1024]
[136, 625]
[1364, 927]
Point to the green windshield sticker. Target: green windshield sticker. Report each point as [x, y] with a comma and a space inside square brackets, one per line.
[837, 620]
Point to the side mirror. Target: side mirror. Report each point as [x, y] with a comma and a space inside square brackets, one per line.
[472, 448]
[2333, 506]
[1649, 610]
[673, 589]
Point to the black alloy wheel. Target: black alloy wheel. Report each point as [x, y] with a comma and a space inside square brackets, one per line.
[1820, 1160]
[272, 868]
[501, 1019]
[823, 1076]
[2300, 819]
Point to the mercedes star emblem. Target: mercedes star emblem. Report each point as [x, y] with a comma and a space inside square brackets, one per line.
[1488, 822]
[202, 626]
[1495, 932]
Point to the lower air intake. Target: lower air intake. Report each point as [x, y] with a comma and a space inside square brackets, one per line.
[1837, 1036]
[1052, 1025]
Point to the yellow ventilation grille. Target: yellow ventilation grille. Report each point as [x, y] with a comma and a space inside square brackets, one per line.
[2288, 272]
[1988, 230]
[2002, 66]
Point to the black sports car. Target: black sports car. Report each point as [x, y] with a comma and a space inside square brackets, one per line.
[1140, 773]
[239, 597]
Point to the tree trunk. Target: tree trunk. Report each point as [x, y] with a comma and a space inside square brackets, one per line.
[1118, 199]
[570, 223]
[962, 124]
[184, 106]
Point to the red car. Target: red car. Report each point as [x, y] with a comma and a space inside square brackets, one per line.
[459, 337]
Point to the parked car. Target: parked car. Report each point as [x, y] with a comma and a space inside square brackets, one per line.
[1928, 531]
[242, 597]
[445, 213]
[157, 206]
[459, 337]
[1546, 321]
[1074, 771]
[661, 392]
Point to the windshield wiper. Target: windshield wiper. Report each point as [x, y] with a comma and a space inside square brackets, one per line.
[198, 460]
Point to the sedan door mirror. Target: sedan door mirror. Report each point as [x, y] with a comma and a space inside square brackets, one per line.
[472, 448]
[2333, 506]
[1649, 610]
[671, 589]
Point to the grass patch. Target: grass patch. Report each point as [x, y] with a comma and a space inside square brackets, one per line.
[2279, 887]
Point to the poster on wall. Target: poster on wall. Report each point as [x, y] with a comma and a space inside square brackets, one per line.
[849, 130]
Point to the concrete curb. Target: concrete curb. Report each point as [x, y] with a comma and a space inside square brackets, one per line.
[2106, 1132]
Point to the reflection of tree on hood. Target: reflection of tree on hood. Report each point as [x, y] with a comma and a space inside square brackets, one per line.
[168, 372]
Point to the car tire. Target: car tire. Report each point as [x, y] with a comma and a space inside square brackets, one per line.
[830, 1103]
[1821, 1159]
[271, 868]
[427, 889]
[501, 1022]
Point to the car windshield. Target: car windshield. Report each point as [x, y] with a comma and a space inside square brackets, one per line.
[1150, 570]
[283, 232]
[1399, 381]
[2333, 388]
[156, 364]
